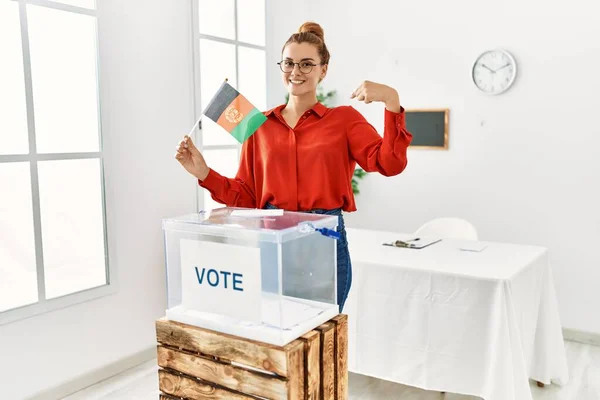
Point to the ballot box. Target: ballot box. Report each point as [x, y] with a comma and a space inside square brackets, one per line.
[265, 275]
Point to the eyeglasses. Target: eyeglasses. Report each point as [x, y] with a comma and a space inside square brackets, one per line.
[288, 66]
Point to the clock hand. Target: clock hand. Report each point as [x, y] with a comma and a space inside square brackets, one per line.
[485, 66]
[504, 66]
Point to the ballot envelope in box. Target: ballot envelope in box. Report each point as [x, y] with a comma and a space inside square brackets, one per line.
[265, 275]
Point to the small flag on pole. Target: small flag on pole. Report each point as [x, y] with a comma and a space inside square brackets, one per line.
[234, 113]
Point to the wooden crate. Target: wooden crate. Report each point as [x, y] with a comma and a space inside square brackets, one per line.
[197, 363]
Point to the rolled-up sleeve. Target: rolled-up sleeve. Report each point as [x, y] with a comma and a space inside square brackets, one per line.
[373, 153]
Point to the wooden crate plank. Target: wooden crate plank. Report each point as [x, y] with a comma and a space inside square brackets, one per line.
[341, 355]
[223, 374]
[188, 388]
[327, 360]
[295, 369]
[312, 366]
[226, 347]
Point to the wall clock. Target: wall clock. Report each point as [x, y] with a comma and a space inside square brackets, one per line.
[494, 71]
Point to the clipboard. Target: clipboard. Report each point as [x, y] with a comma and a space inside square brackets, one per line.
[417, 243]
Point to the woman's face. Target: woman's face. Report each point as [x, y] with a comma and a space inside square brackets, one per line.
[301, 69]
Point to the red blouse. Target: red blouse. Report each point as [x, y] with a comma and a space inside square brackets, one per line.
[311, 166]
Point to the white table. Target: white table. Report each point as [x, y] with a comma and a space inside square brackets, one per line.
[443, 319]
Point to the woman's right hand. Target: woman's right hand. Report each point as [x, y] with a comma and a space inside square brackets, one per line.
[190, 157]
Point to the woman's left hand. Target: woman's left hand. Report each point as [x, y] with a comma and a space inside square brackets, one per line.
[370, 91]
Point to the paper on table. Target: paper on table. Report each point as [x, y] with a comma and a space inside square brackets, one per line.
[476, 247]
[257, 213]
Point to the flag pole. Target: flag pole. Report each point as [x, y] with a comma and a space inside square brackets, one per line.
[198, 123]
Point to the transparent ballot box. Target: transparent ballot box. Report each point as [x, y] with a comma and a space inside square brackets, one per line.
[266, 275]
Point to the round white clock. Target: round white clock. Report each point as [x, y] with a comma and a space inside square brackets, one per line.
[494, 71]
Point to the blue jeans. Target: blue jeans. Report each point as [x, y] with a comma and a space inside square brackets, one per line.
[344, 265]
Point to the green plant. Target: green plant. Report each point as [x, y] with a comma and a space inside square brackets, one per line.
[324, 98]
[359, 173]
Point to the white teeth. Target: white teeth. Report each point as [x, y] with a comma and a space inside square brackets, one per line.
[296, 82]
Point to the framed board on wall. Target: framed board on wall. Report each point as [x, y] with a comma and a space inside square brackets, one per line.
[429, 128]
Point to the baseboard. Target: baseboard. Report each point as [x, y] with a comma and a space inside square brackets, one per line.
[91, 378]
[575, 335]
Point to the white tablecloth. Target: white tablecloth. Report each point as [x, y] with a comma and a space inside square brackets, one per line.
[443, 319]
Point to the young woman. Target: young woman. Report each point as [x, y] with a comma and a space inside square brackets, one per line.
[303, 157]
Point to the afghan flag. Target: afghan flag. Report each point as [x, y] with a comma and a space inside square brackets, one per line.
[233, 112]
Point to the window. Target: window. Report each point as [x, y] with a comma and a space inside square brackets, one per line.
[229, 44]
[53, 249]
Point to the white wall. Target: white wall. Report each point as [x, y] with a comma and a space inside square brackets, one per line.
[146, 71]
[522, 166]
[283, 19]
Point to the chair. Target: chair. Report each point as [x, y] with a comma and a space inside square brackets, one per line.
[449, 228]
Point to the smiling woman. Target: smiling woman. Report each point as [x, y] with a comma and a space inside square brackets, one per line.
[310, 37]
[304, 156]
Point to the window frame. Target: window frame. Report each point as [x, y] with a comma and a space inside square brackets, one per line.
[198, 101]
[44, 305]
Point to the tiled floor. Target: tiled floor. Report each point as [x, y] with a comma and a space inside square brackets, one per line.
[141, 383]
